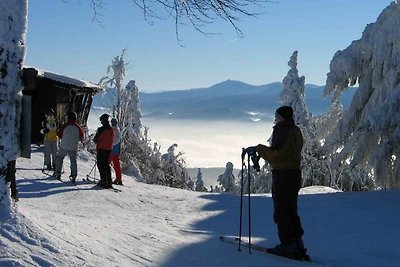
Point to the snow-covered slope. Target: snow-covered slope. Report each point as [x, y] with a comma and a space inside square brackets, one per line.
[57, 224]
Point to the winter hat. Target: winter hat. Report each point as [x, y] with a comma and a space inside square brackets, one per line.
[285, 112]
[71, 115]
[104, 117]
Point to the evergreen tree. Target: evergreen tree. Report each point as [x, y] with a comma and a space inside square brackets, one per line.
[199, 182]
[174, 169]
[227, 179]
[367, 134]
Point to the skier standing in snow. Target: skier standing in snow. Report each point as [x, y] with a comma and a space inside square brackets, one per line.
[70, 134]
[50, 139]
[115, 152]
[284, 156]
[104, 142]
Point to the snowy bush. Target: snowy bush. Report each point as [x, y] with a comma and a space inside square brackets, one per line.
[173, 166]
[227, 179]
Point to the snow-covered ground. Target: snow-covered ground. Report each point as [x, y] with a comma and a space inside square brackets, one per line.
[57, 224]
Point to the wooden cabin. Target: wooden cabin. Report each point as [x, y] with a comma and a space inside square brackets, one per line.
[45, 90]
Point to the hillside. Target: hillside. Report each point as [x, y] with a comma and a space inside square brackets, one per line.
[57, 224]
[226, 100]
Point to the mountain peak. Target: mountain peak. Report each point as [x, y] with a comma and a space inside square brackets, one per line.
[229, 83]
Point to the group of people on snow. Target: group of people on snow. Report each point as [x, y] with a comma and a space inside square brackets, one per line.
[283, 155]
[64, 140]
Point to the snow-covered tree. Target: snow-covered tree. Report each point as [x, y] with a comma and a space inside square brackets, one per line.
[262, 181]
[369, 132]
[227, 179]
[316, 167]
[174, 168]
[256, 180]
[132, 110]
[293, 93]
[199, 182]
[117, 74]
[13, 26]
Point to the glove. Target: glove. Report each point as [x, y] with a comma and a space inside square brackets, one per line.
[250, 151]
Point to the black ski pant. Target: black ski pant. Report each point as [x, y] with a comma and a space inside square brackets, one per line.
[285, 188]
[104, 166]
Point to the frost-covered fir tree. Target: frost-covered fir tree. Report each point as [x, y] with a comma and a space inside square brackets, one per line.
[227, 179]
[315, 168]
[173, 166]
[199, 182]
[117, 74]
[262, 181]
[367, 136]
[257, 181]
[132, 108]
[293, 94]
[13, 26]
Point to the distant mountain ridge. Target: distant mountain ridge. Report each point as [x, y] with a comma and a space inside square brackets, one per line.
[226, 100]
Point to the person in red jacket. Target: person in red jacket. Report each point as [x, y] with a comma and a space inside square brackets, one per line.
[104, 142]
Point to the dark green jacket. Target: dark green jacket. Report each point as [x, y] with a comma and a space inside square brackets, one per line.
[285, 150]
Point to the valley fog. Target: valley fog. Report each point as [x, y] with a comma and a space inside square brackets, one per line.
[206, 143]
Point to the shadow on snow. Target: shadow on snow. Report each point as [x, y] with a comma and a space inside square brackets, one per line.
[362, 222]
[44, 187]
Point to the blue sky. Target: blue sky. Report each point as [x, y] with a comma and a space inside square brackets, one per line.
[63, 38]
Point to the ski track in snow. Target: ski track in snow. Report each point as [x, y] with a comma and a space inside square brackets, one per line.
[79, 218]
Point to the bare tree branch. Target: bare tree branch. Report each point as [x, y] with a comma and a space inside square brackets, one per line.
[198, 13]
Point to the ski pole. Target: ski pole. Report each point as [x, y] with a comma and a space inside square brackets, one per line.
[241, 200]
[248, 188]
[91, 170]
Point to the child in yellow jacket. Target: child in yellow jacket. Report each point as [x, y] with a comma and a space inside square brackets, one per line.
[50, 140]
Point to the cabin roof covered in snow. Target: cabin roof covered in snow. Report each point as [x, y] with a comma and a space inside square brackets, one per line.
[66, 80]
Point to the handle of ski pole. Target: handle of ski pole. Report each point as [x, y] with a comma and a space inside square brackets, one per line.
[243, 153]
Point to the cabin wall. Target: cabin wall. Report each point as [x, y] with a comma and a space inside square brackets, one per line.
[46, 97]
[45, 94]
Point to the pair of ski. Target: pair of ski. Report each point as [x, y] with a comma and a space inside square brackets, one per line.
[235, 241]
[94, 181]
[87, 179]
[96, 186]
[109, 188]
